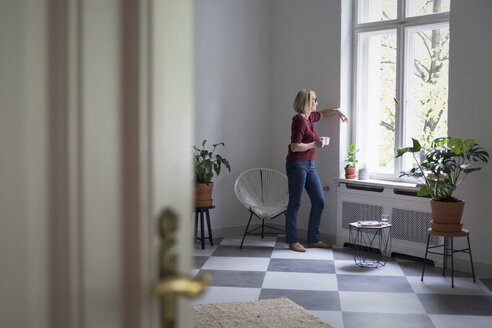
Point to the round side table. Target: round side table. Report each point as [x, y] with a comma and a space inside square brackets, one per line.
[372, 244]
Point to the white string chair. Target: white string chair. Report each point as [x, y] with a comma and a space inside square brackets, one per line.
[264, 192]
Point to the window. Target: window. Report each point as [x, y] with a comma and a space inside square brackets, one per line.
[401, 78]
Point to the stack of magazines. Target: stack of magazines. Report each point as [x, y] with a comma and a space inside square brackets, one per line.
[369, 223]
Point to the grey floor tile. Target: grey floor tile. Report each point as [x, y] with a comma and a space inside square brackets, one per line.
[296, 265]
[457, 304]
[246, 251]
[373, 284]
[225, 278]
[378, 320]
[199, 261]
[281, 238]
[460, 321]
[310, 300]
[198, 243]
[487, 282]
[414, 268]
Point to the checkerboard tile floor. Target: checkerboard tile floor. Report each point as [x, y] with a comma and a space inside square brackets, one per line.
[327, 283]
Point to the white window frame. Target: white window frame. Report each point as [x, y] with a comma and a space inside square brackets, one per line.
[401, 24]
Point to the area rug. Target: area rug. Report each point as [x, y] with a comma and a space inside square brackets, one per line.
[272, 313]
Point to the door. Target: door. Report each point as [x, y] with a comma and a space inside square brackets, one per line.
[96, 135]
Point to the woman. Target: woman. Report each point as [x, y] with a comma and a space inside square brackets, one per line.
[301, 171]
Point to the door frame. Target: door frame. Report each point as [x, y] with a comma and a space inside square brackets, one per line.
[156, 69]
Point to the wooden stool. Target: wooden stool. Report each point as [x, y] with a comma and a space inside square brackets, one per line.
[448, 251]
[202, 211]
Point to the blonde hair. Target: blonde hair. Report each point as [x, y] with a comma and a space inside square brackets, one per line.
[303, 100]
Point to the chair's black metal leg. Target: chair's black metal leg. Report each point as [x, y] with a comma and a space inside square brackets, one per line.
[445, 257]
[209, 227]
[452, 263]
[196, 224]
[202, 233]
[246, 231]
[262, 228]
[471, 260]
[425, 257]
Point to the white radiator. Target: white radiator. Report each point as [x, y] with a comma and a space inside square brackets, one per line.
[409, 214]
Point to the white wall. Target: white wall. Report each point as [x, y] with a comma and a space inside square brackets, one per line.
[470, 111]
[251, 58]
[306, 54]
[233, 97]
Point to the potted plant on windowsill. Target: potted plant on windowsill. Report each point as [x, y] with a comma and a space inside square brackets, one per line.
[206, 163]
[351, 167]
[363, 172]
[442, 168]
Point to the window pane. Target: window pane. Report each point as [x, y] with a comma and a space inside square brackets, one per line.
[377, 10]
[375, 102]
[427, 84]
[426, 7]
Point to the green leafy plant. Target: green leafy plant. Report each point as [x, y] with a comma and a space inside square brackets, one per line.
[444, 166]
[352, 157]
[206, 163]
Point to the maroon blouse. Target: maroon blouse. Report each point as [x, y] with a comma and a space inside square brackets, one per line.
[303, 131]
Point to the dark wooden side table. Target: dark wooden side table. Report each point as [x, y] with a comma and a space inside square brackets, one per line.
[201, 211]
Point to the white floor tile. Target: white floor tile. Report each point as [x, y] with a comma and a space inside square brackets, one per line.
[460, 321]
[300, 281]
[194, 272]
[334, 318]
[349, 267]
[228, 294]
[257, 241]
[442, 285]
[310, 254]
[236, 263]
[205, 252]
[380, 302]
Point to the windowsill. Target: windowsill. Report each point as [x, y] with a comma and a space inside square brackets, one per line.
[381, 183]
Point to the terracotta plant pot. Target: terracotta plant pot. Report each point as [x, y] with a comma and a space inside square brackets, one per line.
[350, 173]
[446, 227]
[447, 215]
[203, 195]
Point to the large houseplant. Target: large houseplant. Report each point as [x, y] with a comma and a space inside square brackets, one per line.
[441, 169]
[350, 168]
[206, 165]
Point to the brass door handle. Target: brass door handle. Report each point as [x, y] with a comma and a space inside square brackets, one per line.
[172, 283]
[182, 285]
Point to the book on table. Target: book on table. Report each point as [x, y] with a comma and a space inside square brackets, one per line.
[369, 223]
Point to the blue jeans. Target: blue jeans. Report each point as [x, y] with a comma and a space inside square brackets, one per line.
[302, 174]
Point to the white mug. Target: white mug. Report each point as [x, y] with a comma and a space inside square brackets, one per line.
[326, 141]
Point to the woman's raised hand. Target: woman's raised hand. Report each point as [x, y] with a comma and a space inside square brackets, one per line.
[342, 116]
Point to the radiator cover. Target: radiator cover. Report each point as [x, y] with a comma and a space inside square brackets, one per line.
[409, 214]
